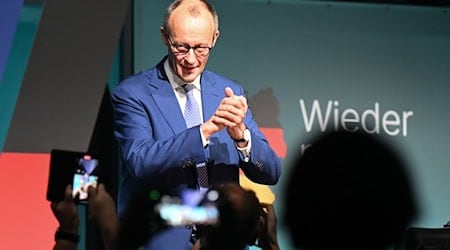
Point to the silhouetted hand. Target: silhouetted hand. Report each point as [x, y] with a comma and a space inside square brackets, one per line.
[66, 213]
[102, 209]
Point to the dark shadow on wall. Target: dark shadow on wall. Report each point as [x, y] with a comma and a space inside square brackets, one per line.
[265, 108]
[103, 145]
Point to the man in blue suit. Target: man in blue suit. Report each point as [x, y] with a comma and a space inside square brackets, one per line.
[159, 151]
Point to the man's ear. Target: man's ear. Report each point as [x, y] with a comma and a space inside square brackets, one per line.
[216, 37]
[164, 36]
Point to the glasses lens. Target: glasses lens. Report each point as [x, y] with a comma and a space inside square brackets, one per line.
[180, 49]
[183, 49]
[202, 51]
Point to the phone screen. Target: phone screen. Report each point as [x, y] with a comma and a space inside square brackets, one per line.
[83, 178]
[180, 215]
[187, 209]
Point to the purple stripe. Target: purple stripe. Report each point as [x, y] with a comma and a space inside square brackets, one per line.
[9, 16]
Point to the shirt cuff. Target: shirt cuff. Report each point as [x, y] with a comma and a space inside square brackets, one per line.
[204, 141]
[245, 150]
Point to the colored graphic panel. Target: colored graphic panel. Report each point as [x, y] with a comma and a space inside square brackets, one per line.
[9, 15]
[27, 220]
[16, 64]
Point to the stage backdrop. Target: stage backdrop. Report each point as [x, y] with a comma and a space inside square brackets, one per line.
[309, 66]
[304, 64]
[54, 93]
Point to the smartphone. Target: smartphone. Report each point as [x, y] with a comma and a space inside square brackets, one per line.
[71, 167]
[83, 177]
[190, 207]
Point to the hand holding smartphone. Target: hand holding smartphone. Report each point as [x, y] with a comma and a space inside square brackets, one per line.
[70, 167]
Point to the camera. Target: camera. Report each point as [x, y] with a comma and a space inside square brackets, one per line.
[75, 168]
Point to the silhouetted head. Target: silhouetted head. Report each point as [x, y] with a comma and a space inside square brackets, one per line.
[240, 213]
[348, 190]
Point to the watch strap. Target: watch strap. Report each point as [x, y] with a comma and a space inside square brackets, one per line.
[240, 140]
[244, 137]
[60, 235]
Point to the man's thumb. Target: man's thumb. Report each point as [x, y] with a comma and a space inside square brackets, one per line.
[228, 92]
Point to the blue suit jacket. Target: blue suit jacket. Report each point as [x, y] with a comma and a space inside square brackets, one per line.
[159, 152]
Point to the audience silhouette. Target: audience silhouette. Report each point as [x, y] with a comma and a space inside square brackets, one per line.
[240, 222]
[348, 190]
[243, 221]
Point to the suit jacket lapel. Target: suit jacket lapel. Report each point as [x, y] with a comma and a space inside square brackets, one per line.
[166, 100]
[211, 96]
[167, 103]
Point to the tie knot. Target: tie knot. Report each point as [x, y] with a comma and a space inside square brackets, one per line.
[188, 87]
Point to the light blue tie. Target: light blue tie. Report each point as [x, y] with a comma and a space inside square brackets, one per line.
[191, 110]
[192, 118]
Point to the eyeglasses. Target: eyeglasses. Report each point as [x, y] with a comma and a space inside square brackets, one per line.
[183, 49]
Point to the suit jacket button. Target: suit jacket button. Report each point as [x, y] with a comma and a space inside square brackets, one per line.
[187, 164]
[258, 164]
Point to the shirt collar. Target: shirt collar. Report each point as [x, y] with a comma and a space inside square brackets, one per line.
[175, 81]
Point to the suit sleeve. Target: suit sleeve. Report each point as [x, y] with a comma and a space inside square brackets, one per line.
[264, 165]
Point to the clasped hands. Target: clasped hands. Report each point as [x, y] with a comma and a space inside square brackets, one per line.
[230, 115]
